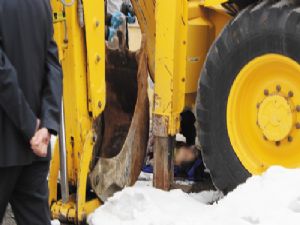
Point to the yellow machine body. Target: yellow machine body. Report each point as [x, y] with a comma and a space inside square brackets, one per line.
[178, 34]
[82, 54]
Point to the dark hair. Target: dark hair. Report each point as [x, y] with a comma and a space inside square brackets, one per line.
[180, 144]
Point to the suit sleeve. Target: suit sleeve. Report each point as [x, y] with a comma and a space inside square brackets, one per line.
[12, 99]
[52, 90]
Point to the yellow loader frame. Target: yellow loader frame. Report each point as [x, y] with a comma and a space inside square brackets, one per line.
[179, 34]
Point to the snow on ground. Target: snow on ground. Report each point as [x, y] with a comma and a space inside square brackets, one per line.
[270, 199]
[55, 222]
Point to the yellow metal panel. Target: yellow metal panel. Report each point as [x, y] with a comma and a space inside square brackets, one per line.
[204, 26]
[195, 10]
[91, 205]
[82, 54]
[95, 48]
[213, 2]
[85, 160]
[199, 41]
[75, 96]
[183, 38]
[170, 64]
[145, 12]
[198, 44]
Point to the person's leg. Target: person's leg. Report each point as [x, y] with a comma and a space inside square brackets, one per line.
[8, 176]
[29, 200]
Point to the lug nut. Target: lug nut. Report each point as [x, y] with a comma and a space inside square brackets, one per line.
[266, 92]
[298, 126]
[290, 94]
[278, 88]
[290, 138]
[98, 58]
[298, 108]
[277, 143]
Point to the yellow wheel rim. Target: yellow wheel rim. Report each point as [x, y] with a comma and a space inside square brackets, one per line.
[263, 113]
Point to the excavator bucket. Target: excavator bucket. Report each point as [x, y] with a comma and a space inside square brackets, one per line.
[123, 128]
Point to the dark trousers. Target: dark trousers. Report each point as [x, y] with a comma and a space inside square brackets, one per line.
[26, 189]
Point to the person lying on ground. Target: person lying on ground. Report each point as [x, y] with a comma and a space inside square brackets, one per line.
[188, 163]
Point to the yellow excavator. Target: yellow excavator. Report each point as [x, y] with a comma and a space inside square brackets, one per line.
[235, 62]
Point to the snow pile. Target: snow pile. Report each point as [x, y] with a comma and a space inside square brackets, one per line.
[270, 199]
[55, 222]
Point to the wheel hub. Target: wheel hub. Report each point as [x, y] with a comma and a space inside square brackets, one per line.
[275, 118]
[263, 113]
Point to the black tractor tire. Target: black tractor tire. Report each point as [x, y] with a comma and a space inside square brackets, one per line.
[266, 27]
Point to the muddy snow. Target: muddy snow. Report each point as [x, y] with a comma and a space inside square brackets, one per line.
[270, 199]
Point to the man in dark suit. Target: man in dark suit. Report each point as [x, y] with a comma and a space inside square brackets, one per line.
[30, 98]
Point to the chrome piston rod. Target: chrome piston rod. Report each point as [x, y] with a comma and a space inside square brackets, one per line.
[64, 184]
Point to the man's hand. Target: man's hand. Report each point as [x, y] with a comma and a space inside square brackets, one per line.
[40, 141]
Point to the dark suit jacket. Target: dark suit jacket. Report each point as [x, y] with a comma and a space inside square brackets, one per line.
[30, 77]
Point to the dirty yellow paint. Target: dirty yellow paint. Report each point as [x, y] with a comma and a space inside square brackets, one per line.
[82, 54]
